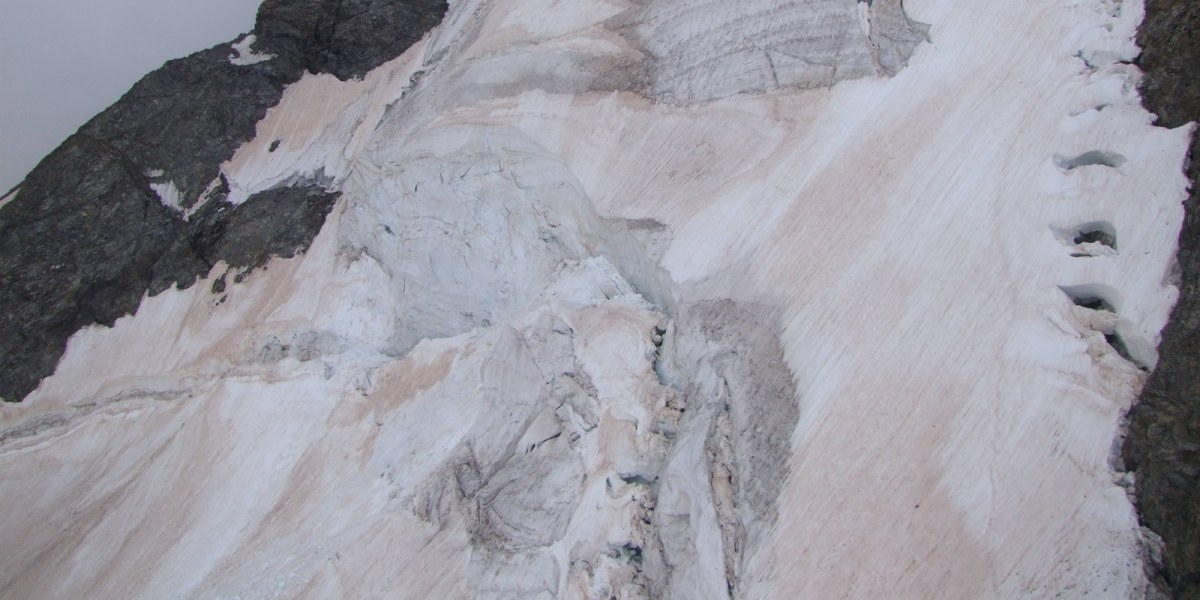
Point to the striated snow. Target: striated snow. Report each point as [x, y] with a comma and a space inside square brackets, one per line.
[603, 312]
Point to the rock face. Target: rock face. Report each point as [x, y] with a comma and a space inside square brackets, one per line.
[131, 203]
[1163, 443]
[601, 299]
[346, 38]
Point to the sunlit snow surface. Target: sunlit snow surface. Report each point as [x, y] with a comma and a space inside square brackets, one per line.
[912, 240]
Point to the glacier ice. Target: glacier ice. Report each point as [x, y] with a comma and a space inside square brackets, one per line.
[647, 299]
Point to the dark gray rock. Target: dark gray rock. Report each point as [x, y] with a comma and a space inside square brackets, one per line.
[1170, 40]
[189, 116]
[278, 222]
[346, 38]
[82, 251]
[86, 236]
[1163, 443]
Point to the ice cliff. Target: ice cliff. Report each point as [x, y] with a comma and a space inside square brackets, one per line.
[598, 298]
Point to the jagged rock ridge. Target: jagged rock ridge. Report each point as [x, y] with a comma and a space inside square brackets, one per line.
[1162, 446]
[132, 203]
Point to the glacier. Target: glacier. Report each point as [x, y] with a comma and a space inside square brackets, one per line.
[804, 298]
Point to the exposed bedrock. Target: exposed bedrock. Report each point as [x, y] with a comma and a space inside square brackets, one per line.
[133, 202]
[345, 38]
[1163, 442]
[91, 262]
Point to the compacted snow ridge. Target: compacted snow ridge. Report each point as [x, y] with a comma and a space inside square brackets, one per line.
[800, 299]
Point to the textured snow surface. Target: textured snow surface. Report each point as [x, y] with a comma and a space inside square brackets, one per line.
[601, 313]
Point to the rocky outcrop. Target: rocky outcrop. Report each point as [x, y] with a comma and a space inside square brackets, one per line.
[1163, 443]
[134, 201]
[346, 38]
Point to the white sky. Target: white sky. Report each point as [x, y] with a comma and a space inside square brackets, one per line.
[63, 61]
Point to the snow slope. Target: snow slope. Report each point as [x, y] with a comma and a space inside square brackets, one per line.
[591, 320]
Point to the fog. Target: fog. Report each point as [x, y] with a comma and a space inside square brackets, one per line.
[63, 61]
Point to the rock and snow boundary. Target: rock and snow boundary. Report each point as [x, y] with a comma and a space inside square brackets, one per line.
[585, 323]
